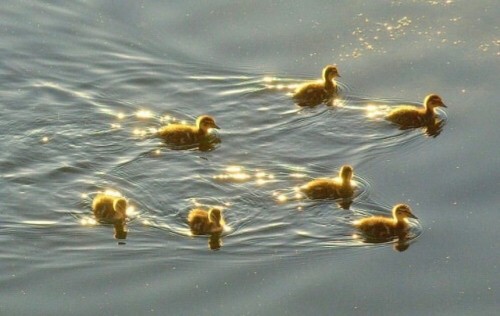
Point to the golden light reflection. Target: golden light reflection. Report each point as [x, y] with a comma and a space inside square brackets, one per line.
[144, 114]
[339, 103]
[88, 221]
[234, 169]
[120, 116]
[261, 181]
[167, 118]
[270, 84]
[84, 195]
[298, 175]
[116, 125]
[260, 174]
[131, 211]
[238, 173]
[282, 198]
[112, 193]
[139, 132]
[39, 222]
[376, 111]
[240, 176]
[45, 139]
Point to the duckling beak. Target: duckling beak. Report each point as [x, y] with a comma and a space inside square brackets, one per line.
[443, 105]
[412, 216]
[215, 126]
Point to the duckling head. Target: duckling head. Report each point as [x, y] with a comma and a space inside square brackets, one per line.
[433, 101]
[330, 72]
[346, 173]
[402, 211]
[206, 122]
[120, 206]
[215, 215]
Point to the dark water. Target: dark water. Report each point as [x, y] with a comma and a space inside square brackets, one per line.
[83, 84]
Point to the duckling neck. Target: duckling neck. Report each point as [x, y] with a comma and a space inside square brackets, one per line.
[330, 85]
[200, 132]
[346, 183]
[400, 224]
[429, 111]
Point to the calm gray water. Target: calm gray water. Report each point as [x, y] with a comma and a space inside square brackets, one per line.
[83, 84]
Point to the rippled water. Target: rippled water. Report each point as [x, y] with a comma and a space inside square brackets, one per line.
[85, 85]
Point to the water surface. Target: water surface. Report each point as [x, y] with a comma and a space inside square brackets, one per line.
[83, 86]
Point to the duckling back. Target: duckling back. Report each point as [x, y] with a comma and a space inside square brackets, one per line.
[379, 227]
[311, 94]
[104, 207]
[200, 223]
[320, 189]
[178, 134]
[409, 116]
[327, 189]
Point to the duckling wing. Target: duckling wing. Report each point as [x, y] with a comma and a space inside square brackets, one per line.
[319, 189]
[376, 227]
[178, 134]
[407, 116]
[310, 94]
[104, 212]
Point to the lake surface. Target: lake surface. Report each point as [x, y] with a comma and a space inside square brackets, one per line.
[84, 84]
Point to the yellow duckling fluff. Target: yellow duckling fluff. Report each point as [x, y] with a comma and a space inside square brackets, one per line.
[411, 116]
[314, 93]
[109, 208]
[182, 134]
[202, 222]
[339, 187]
[385, 227]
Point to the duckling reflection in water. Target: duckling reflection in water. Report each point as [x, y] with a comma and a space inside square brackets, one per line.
[188, 135]
[215, 241]
[203, 222]
[411, 116]
[120, 231]
[339, 187]
[314, 93]
[386, 228]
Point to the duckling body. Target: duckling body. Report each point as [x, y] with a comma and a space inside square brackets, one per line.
[314, 93]
[386, 227]
[339, 187]
[182, 135]
[202, 222]
[411, 116]
[109, 208]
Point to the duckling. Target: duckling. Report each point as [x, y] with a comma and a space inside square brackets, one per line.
[410, 116]
[339, 187]
[180, 134]
[385, 227]
[314, 93]
[109, 208]
[202, 222]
